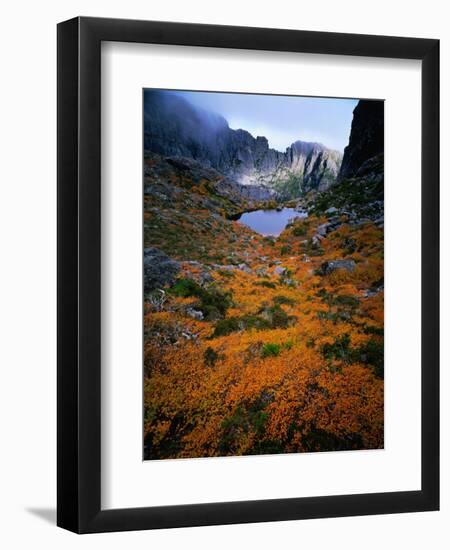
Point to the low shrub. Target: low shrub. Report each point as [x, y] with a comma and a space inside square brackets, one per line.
[339, 349]
[346, 300]
[267, 284]
[245, 419]
[186, 288]
[371, 353]
[225, 273]
[349, 245]
[335, 316]
[224, 327]
[267, 318]
[270, 350]
[317, 439]
[310, 342]
[341, 307]
[282, 299]
[210, 357]
[287, 345]
[213, 302]
[277, 317]
[299, 231]
[369, 329]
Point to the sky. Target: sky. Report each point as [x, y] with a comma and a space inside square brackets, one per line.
[282, 119]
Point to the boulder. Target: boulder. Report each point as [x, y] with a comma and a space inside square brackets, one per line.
[201, 274]
[322, 229]
[279, 270]
[331, 210]
[328, 267]
[315, 241]
[228, 267]
[195, 314]
[261, 271]
[374, 290]
[159, 269]
[244, 268]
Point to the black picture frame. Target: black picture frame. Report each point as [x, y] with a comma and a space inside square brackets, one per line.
[79, 280]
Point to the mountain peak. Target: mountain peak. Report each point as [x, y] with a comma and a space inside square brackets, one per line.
[366, 137]
[174, 127]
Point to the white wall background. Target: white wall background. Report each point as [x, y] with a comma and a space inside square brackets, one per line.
[28, 270]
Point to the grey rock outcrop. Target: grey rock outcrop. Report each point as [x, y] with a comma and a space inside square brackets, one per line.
[195, 314]
[280, 271]
[331, 210]
[244, 268]
[159, 269]
[328, 267]
[224, 186]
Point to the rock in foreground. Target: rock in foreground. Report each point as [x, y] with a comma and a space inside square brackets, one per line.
[326, 268]
[159, 269]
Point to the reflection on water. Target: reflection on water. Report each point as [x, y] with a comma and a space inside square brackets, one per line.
[270, 222]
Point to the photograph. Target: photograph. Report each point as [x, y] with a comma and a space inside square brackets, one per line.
[263, 274]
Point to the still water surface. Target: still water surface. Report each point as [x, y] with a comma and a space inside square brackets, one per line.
[270, 222]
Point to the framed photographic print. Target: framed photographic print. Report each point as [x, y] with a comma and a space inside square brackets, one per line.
[248, 240]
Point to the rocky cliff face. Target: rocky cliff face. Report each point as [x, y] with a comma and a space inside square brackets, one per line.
[173, 127]
[359, 192]
[366, 138]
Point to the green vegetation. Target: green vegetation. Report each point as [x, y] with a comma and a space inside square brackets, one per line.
[210, 356]
[370, 353]
[270, 350]
[373, 353]
[213, 301]
[224, 327]
[282, 299]
[268, 318]
[341, 307]
[355, 194]
[300, 230]
[245, 419]
[289, 187]
[267, 284]
[185, 288]
[277, 317]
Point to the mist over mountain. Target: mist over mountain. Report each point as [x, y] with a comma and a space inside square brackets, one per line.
[174, 127]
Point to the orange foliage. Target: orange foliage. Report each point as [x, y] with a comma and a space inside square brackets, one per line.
[308, 384]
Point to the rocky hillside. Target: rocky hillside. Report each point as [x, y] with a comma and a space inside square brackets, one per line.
[257, 345]
[173, 127]
[187, 207]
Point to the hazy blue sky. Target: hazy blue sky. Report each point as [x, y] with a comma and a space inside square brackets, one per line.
[283, 119]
